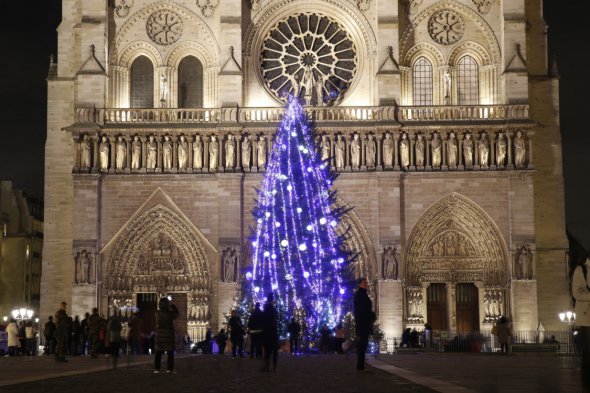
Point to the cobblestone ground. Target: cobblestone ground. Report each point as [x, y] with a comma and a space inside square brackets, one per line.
[213, 374]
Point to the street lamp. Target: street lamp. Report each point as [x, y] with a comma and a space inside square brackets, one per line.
[568, 317]
[22, 314]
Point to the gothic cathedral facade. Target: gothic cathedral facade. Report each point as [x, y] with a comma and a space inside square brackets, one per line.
[441, 116]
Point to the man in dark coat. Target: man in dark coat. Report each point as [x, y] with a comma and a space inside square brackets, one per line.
[363, 321]
[270, 334]
[50, 336]
[294, 329]
[236, 334]
[165, 341]
[62, 333]
[93, 332]
[255, 328]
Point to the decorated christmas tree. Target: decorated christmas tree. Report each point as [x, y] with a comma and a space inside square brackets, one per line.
[298, 245]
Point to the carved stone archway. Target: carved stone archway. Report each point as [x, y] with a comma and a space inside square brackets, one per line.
[455, 241]
[159, 252]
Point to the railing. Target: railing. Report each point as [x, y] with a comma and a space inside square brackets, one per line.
[319, 114]
[484, 341]
[477, 112]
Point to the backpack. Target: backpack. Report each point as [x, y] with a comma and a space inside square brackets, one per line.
[585, 271]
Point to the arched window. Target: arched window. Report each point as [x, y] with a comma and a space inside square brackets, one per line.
[422, 82]
[142, 83]
[190, 83]
[467, 81]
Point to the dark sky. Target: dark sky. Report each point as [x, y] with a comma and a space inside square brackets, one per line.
[29, 31]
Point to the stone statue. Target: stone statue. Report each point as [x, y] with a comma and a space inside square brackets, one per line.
[104, 150]
[519, 150]
[198, 153]
[261, 147]
[522, 263]
[355, 151]
[468, 150]
[167, 152]
[230, 152]
[436, 150]
[152, 151]
[136, 153]
[319, 91]
[213, 154]
[229, 265]
[447, 84]
[246, 152]
[308, 83]
[182, 152]
[296, 86]
[452, 150]
[121, 153]
[484, 150]
[420, 151]
[388, 151]
[325, 148]
[501, 154]
[370, 152]
[163, 87]
[85, 153]
[339, 152]
[404, 151]
[390, 264]
[85, 265]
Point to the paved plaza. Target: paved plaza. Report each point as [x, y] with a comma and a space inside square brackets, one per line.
[421, 373]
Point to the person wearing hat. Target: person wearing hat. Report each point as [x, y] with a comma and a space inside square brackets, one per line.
[165, 341]
[61, 333]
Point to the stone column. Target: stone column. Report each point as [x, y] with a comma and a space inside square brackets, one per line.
[396, 166]
[509, 147]
[238, 161]
[159, 166]
[460, 151]
[476, 151]
[378, 164]
[347, 164]
[427, 150]
[206, 154]
[189, 153]
[128, 142]
[77, 159]
[444, 145]
[113, 155]
[143, 140]
[529, 164]
[174, 167]
[412, 152]
[492, 155]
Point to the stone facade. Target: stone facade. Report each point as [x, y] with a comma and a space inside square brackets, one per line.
[429, 110]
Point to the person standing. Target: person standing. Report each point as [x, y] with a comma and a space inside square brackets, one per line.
[62, 333]
[221, 340]
[255, 328]
[503, 332]
[12, 331]
[30, 333]
[84, 334]
[294, 329]
[49, 332]
[135, 325]
[93, 332]
[114, 328]
[75, 338]
[165, 341]
[236, 334]
[363, 321]
[270, 334]
[581, 292]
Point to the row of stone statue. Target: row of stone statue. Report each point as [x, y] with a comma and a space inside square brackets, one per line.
[427, 150]
[179, 153]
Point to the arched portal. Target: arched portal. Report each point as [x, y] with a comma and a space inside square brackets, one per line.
[159, 253]
[453, 248]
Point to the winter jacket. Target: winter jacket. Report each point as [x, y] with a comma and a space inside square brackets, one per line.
[12, 331]
[581, 292]
[270, 329]
[363, 313]
[165, 317]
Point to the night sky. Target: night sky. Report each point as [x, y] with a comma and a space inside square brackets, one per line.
[29, 31]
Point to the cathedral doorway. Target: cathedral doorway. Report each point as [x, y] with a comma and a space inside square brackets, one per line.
[437, 306]
[147, 304]
[467, 308]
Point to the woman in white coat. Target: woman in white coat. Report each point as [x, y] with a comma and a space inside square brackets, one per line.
[12, 331]
[581, 292]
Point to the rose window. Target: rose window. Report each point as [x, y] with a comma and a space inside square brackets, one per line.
[164, 27]
[311, 55]
[446, 27]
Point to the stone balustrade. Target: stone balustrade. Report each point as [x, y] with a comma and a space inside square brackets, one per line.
[348, 149]
[403, 114]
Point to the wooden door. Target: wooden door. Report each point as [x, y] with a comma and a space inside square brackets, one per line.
[437, 306]
[467, 308]
[147, 304]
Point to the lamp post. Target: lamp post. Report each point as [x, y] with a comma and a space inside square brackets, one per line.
[568, 317]
[22, 314]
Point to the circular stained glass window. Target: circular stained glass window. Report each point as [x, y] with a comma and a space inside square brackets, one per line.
[310, 55]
